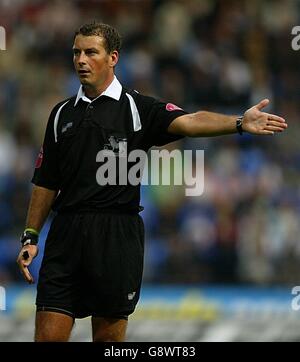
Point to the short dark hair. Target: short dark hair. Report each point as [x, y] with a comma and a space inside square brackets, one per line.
[112, 39]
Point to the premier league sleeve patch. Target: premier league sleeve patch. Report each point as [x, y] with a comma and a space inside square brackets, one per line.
[172, 107]
[39, 159]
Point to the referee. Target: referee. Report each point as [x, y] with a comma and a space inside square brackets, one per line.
[93, 259]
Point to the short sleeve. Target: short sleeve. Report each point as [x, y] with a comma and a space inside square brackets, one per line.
[159, 116]
[46, 173]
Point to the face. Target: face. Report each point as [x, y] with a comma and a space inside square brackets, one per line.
[93, 64]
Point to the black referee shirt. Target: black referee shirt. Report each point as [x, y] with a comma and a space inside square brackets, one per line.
[79, 128]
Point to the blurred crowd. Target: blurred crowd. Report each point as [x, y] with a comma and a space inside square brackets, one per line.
[214, 55]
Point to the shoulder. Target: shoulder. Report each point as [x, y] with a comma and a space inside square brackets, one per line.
[153, 102]
[58, 106]
[143, 102]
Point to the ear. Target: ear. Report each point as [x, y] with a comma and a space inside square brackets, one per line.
[114, 57]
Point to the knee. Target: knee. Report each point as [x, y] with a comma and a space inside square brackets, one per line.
[52, 327]
[103, 336]
[44, 336]
[109, 329]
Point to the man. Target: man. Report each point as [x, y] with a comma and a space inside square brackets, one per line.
[93, 258]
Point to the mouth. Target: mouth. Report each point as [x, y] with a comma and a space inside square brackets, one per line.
[83, 72]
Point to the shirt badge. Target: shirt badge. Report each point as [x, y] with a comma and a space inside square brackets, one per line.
[39, 159]
[172, 107]
[117, 145]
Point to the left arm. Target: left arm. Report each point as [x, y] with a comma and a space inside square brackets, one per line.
[206, 124]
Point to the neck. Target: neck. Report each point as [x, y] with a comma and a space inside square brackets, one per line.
[94, 91]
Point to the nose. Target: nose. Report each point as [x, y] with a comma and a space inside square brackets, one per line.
[81, 59]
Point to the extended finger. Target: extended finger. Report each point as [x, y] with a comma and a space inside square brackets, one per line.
[27, 275]
[273, 117]
[267, 133]
[24, 270]
[262, 104]
[274, 129]
[276, 124]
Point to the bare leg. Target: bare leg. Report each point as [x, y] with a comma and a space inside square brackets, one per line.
[109, 329]
[52, 327]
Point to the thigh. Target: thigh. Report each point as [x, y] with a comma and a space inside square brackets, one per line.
[59, 277]
[52, 327]
[114, 265]
[109, 329]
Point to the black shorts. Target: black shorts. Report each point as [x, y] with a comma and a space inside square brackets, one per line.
[92, 265]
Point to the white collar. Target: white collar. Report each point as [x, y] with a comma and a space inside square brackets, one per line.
[114, 91]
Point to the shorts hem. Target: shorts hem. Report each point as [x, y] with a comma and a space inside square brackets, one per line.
[113, 316]
[81, 315]
[43, 308]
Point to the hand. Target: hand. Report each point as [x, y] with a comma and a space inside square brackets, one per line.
[26, 255]
[261, 123]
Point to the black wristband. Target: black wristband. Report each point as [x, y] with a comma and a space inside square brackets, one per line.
[29, 238]
[239, 124]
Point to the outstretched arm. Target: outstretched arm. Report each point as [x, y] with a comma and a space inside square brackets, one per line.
[39, 208]
[206, 124]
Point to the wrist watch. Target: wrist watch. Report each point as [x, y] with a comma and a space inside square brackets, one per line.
[239, 124]
[29, 238]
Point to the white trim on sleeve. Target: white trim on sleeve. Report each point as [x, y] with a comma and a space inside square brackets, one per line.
[137, 125]
[57, 118]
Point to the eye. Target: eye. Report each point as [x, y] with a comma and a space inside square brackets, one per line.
[76, 52]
